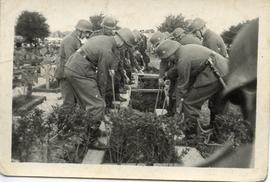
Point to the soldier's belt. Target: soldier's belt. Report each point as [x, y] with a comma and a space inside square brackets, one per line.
[209, 63]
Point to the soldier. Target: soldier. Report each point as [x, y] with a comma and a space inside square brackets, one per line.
[69, 45]
[210, 39]
[183, 38]
[108, 25]
[142, 46]
[89, 69]
[241, 90]
[164, 66]
[196, 82]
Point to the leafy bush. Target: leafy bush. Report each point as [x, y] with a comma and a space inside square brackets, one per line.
[172, 22]
[32, 26]
[62, 136]
[143, 138]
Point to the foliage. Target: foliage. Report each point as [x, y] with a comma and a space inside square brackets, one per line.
[96, 21]
[32, 26]
[27, 62]
[172, 22]
[62, 136]
[143, 138]
[228, 126]
[229, 35]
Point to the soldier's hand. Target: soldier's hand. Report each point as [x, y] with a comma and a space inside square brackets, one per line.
[167, 82]
[112, 73]
[161, 81]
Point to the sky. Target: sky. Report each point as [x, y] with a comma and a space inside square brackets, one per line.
[136, 14]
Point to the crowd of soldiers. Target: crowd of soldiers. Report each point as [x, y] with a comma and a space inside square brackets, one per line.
[195, 62]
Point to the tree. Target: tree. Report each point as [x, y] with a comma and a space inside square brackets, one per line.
[32, 26]
[172, 22]
[96, 21]
[228, 35]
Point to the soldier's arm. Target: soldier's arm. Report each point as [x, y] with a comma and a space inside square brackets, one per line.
[62, 55]
[163, 67]
[222, 47]
[213, 45]
[69, 49]
[172, 72]
[183, 79]
[104, 65]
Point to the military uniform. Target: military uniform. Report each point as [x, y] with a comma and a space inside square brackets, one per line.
[213, 41]
[142, 46]
[118, 74]
[68, 46]
[87, 72]
[196, 83]
[189, 39]
[100, 32]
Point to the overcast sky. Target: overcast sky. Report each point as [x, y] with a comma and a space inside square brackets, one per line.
[140, 14]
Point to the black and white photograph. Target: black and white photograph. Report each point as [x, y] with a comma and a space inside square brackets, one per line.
[154, 89]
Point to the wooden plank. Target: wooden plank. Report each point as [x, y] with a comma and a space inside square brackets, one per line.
[146, 90]
[148, 76]
[161, 112]
[192, 157]
[94, 157]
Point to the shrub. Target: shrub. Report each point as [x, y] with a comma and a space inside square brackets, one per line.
[62, 136]
[143, 138]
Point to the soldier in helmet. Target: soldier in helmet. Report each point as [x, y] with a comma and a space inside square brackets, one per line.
[69, 45]
[184, 38]
[241, 90]
[196, 82]
[164, 66]
[89, 69]
[156, 38]
[142, 46]
[210, 39]
[108, 25]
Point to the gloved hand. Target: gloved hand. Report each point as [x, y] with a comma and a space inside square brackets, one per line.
[112, 73]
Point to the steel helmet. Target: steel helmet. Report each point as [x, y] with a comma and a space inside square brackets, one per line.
[178, 32]
[166, 48]
[197, 24]
[188, 22]
[137, 34]
[156, 38]
[167, 34]
[127, 36]
[243, 57]
[109, 23]
[84, 25]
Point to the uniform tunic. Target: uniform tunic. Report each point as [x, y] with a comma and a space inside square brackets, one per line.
[189, 39]
[68, 46]
[196, 83]
[213, 41]
[89, 77]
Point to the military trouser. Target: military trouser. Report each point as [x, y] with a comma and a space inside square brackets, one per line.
[194, 99]
[67, 94]
[87, 92]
